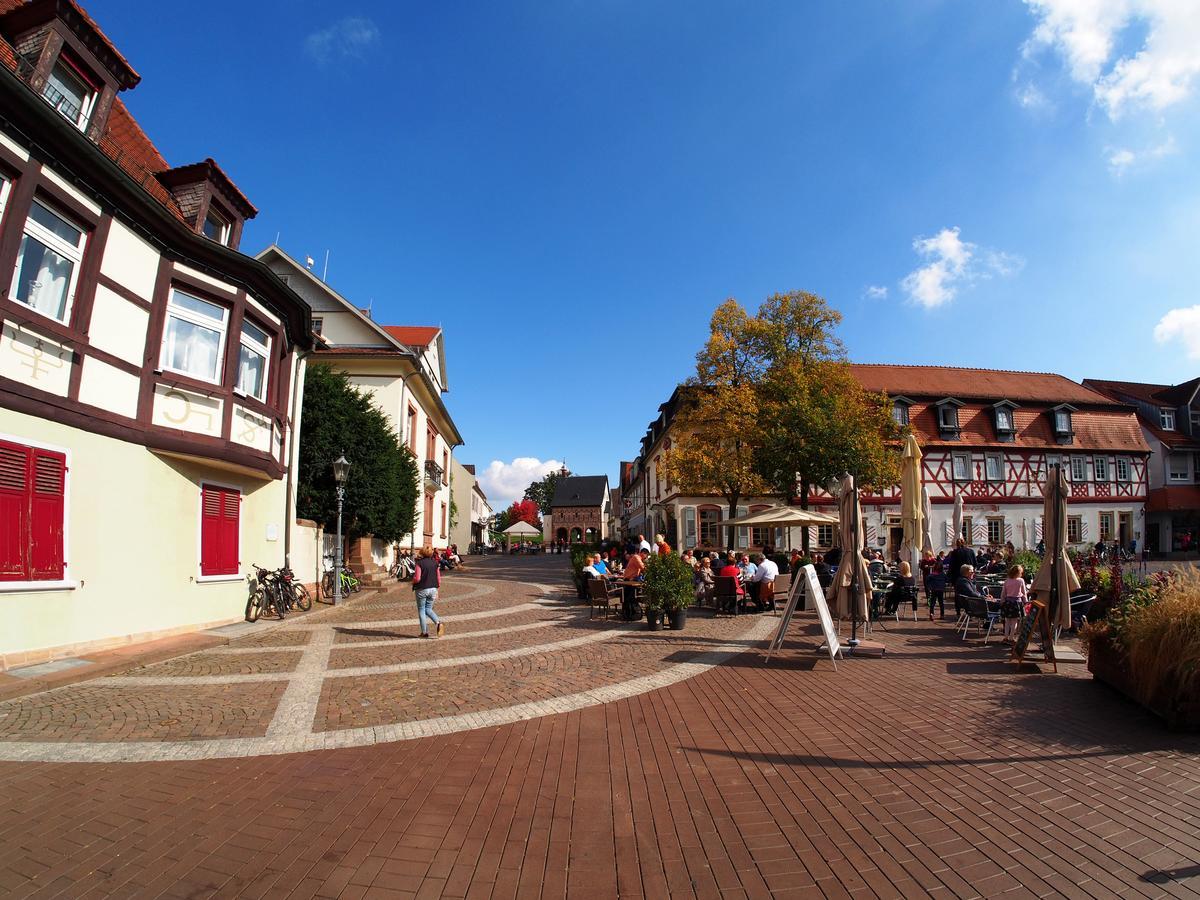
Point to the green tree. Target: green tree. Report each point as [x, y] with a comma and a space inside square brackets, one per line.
[710, 451]
[383, 486]
[541, 491]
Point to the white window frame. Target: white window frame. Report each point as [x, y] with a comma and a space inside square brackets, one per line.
[965, 458]
[32, 230]
[67, 583]
[1101, 534]
[1166, 418]
[5, 187]
[246, 342]
[201, 578]
[1187, 469]
[201, 321]
[968, 535]
[89, 99]
[1123, 462]
[224, 230]
[1079, 529]
[318, 322]
[998, 521]
[1100, 468]
[1080, 461]
[998, 459]
[1012, 422]
[824, 535]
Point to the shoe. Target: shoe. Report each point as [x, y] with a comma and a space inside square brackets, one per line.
[424, 634]
[440, 629]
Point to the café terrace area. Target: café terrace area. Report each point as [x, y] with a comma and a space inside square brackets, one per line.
[538, 751]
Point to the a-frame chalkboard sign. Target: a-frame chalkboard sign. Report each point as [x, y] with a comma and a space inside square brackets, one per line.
[1038, 616]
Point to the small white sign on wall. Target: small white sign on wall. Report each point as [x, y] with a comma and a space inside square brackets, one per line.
[272, 532]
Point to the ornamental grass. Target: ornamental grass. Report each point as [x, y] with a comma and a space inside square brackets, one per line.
[1161, 640]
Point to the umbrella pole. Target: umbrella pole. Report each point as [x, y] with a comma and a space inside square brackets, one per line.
[1058, 542]
[856, 562]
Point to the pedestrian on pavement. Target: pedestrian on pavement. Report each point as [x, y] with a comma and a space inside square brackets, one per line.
[426, 580]
[643, 544]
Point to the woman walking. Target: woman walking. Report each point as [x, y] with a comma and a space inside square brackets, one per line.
[426, 580]
[1012, 602]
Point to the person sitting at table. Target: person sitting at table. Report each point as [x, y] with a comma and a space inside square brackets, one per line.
[823, 570]
[635, 570]
[763, 582]
[899, 591]
[590, 569]
[795, 564]
[966, 588]
[731, 570]
[705, 582]
[833, 557]
[690, 558]
[935, 589]
[600, 565]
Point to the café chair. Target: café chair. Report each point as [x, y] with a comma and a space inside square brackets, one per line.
[602, 596]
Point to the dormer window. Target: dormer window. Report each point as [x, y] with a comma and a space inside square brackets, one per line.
[1005, 421]
[1061, 418]
[68, 92]
[1166, 419]
[216, 227]
[900, 407]
[947, 413]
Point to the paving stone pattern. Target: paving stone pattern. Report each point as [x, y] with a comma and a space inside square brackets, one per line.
[939, 770]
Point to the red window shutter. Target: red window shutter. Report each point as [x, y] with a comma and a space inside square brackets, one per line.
[46, 519]
[14, 512]
[219, 512]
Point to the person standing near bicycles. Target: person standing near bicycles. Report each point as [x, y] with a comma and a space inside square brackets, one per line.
[426, 579]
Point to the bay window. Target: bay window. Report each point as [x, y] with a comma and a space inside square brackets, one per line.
[48, 263]
[194, 339]
[253, 359]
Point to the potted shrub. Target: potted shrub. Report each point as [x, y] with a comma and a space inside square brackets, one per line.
[579, 557]
[654, 615]
[1148, 648]
[669, 587]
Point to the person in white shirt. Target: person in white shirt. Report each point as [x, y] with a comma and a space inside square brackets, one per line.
[763, 580]
[590, 569]
[644, 544]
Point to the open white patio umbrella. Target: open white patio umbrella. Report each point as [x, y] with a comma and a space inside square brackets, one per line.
[958, 517]
[782, 516]
[851, 586]
[1056, 570]
[912, 512]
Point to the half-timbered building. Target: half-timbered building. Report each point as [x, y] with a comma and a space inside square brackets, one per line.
[989, 437]
[148, 369]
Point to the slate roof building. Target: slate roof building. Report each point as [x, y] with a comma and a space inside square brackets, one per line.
[1169, 416]
[580, 509]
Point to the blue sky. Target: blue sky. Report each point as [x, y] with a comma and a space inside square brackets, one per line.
[569, 188]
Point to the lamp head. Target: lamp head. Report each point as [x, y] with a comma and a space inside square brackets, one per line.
[341, 469]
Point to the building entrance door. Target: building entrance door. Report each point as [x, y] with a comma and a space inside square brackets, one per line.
[895, 539]
[1152, 537]
[1124, 528]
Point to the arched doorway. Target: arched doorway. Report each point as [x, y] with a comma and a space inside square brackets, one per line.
[576, 536]
[590, 536]
[561, 534]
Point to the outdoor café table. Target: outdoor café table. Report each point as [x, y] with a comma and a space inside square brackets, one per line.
[631, 591]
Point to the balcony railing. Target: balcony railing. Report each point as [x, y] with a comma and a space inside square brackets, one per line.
[433, 473]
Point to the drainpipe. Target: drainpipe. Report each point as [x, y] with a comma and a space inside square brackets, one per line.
[293, 454]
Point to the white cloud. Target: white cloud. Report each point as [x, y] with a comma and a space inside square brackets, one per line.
[505, 482]
[1031, 97]
[1181, 325]
[1156, 74]
[1122, 159]
[347, 38]
[875, 292]
[953, 264]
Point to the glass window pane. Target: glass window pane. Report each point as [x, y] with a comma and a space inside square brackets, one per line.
[55, 224]
[196, 305]
[255, 333]
[65, 92]
[192, 349]
[251, 368]
[43, 278]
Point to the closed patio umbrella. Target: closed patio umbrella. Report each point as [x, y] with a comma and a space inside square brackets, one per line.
[927, 533]
[912, 512]
[851, 585]
[1056, 576]
[958, 517]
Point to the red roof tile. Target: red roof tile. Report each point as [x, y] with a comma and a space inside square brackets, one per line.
[1111, 429]
[413, 335]
[130, 76]
[1154, 394]
[208, 169]
[963, 383]
[1173, 498]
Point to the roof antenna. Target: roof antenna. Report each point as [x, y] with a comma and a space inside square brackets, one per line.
[277, 237]
[325, 271]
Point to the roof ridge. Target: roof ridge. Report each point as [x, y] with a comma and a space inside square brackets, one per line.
[958, 369]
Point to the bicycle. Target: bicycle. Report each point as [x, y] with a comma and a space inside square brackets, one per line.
[295, 593]
[267, 597]
[350, 585]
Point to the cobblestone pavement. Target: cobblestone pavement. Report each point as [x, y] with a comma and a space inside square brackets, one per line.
[937, 770]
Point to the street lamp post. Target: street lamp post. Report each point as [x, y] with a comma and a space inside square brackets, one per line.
[341, 469]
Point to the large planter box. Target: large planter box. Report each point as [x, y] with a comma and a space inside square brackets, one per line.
[1107, 664]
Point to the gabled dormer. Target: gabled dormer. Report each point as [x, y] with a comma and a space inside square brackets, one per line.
[1005, 421]
[1061, 423]
[947, 418]
[900, 410]
[66, 59]
[210, 202]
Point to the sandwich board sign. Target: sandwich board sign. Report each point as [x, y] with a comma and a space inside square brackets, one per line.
[806, 582]
[1039, 616]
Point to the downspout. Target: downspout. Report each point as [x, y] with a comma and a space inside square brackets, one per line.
[293, 454]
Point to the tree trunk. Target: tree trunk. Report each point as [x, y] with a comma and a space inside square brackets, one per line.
[733, 502]
[804, 505]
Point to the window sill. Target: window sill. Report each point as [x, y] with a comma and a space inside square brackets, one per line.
[34, 586]
[217, 579]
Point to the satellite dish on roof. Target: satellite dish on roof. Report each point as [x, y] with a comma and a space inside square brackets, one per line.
[309, 262]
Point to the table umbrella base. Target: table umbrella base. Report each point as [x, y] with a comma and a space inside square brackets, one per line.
[864, 648]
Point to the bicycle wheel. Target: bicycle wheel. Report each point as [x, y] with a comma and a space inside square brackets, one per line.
[300, 594]
[325, 594]
[280, 601]
[354, 585]
[254, 605]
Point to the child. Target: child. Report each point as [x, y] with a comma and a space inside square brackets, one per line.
[935, 589]
[1012, 602]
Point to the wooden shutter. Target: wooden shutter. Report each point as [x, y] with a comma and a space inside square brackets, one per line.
[14, 512]
[219, 516]
[46, 515]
